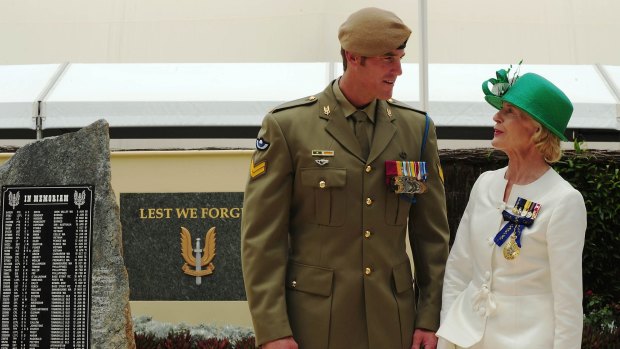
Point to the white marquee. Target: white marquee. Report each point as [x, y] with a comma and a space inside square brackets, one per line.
[239, 94]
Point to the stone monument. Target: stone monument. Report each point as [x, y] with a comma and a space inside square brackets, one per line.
[82, 158]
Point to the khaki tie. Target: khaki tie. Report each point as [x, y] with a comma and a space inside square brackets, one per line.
[361, 124]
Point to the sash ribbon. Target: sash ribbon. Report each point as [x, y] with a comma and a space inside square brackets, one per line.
[515, 225]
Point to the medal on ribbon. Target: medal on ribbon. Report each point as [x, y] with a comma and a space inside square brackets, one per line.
[406, 177]
[522, 215]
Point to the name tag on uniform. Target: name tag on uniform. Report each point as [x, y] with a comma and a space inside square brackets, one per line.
[319, 152]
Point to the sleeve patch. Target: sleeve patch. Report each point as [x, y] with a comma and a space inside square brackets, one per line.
[261, 144]
[259, 169]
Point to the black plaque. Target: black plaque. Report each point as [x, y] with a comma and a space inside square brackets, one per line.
[152, 245]
[46, 266]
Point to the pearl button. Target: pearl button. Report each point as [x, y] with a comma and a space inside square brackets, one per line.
[294, 284]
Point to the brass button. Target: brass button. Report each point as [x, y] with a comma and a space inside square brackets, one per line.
[367, 234]
[367, 271]
[294, 284]
[368, 169]
[368, 201]
[322, 184]
[311, 98]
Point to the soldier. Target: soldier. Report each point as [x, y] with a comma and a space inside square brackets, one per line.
[328, 203]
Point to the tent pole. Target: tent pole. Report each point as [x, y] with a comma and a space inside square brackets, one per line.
[43, 95]
[423, 52]
[39, 122]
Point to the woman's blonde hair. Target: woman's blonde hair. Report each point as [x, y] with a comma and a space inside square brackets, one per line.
[547, 143]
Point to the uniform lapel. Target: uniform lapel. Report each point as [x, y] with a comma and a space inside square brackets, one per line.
[384, 130]
[337, 125]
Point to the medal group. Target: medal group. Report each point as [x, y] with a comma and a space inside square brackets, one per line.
[522, 215]
[406, 177]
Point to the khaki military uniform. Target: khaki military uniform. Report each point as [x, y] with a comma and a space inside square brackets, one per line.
[323, 238]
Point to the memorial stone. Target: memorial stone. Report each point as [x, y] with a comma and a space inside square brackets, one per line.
[70, 169]
[165, 233]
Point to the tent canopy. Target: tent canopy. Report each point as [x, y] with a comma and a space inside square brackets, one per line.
[233, 95]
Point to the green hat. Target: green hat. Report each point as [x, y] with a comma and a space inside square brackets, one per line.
[373, 32]
[535, 95]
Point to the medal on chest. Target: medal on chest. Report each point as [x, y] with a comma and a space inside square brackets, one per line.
[511, 249]
[522, 215]
[406, 178]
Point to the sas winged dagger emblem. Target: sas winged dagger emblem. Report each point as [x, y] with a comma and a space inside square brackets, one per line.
[198, 257]
[79, 198]
[13, 199]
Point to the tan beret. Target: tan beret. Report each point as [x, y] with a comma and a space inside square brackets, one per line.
[373, 32]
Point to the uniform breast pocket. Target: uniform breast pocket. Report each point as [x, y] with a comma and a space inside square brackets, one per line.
[396, 209]
[328, 188]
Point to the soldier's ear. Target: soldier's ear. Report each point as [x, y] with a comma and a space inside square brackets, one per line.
[351, 57]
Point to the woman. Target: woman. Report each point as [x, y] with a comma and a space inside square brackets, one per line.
[513, 278]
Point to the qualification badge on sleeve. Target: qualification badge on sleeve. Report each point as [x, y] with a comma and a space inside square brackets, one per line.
[406, 177]
[522, 215]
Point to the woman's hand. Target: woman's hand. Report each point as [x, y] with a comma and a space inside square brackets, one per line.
[424, 339]
[282, 343]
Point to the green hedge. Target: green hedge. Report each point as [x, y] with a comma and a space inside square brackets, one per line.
[597, 176]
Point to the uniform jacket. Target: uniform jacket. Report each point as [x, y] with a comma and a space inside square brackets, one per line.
[323, 246]
[533, 301]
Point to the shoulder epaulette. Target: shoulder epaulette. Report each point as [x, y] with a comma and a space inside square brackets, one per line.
[400, 104]
[296, 103]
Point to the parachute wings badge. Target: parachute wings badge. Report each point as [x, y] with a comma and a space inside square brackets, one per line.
[199, 258]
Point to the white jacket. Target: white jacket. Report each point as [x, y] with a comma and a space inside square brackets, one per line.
[533, 301]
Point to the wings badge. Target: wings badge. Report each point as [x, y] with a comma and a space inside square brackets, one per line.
[199, 258]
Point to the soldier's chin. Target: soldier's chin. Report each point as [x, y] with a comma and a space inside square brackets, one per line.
[387, 95]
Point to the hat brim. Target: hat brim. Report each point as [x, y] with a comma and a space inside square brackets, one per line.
[547, 126]
[498, 103]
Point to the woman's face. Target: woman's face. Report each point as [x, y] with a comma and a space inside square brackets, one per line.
[513, 130]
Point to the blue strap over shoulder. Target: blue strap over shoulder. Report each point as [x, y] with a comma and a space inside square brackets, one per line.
[425, 136]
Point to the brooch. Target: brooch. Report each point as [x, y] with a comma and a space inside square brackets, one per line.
[522, 215]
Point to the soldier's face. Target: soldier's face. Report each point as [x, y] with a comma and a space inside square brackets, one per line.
[378, 74]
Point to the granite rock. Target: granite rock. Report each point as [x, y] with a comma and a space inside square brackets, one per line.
[82, 157]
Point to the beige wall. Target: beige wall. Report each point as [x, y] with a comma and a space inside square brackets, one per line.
[474, 31]
[184, 171]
